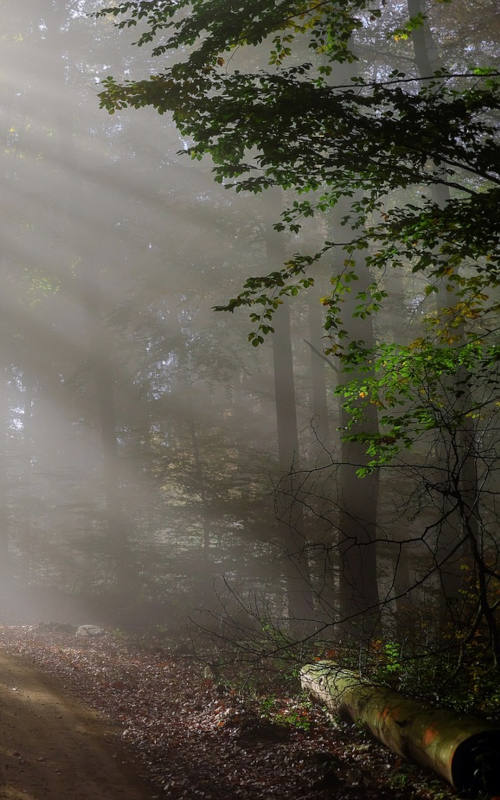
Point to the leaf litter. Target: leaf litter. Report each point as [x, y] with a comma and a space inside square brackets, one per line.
[199, 738]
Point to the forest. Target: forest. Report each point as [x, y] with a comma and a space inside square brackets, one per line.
[250, 398]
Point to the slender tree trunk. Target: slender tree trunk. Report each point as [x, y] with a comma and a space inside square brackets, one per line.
[289, 507]
[320, 420]
[29, 532]
[284, 390]
[103, 389]
[459, 451]
[200, 481]
[324, 561]
[358, 516]
[396, 319]
[405, 603]
[358, 498]
[423, 44]
[4, 482]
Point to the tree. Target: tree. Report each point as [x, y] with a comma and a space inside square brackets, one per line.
[289, 510]
[293, 127]
[293, 124]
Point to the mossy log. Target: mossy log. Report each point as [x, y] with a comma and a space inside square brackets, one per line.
[462, 749]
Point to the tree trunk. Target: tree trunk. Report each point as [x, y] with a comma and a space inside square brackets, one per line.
[318, 382]
[358, 530]
[4, 482]
[289, 506]
[117, 521]
[28, 446]
[463, 750]
[323, 557]
[358, 497]
[458, 449]
[102, 392]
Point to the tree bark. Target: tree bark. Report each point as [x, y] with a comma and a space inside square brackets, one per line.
[4, 483]
[458, 448]
[462, 749]
[289, 506]
[358, 496]
[320, 420]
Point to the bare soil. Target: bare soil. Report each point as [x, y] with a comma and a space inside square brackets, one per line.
[52, 747]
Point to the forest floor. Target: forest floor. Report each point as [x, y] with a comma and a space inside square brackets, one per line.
[106, 715]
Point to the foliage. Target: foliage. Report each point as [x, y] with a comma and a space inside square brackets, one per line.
[295, 714]
[297, 126]
[444, 384]
[292, 127]
[454, 672]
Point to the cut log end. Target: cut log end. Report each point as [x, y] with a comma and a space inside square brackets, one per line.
[475, 765]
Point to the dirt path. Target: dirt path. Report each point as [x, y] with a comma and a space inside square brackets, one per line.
[53, 748]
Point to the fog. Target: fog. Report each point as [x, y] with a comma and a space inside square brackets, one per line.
[139, 447]
[145, 444]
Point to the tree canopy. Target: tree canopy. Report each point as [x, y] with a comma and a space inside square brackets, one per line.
[338, 141]
[294, 125]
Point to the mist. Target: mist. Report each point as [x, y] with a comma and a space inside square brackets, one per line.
[156, 468]
[139, 445]
[249, 397]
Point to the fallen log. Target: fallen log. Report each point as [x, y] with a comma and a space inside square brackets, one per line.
[462, 749]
